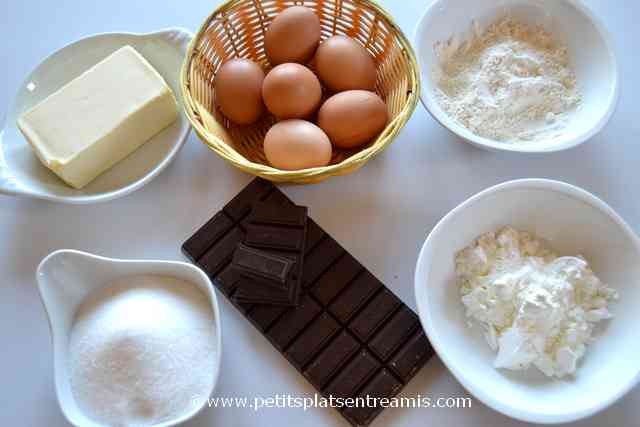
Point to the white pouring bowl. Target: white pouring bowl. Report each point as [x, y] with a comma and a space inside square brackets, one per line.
[574, 222]
[66, 277]
[22, 174]
[569, 21]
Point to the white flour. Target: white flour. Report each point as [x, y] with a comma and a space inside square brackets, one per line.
[141, 350]
[510, 83]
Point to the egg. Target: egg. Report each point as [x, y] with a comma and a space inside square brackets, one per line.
[353, 117]
[293, 36]
[344, 64]
[291, 91]
[297, 144]
[238, 90]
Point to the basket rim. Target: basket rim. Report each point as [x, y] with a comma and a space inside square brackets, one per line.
[355, 161]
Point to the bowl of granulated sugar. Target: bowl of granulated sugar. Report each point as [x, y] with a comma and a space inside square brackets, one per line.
[135, 343]
[526, 76]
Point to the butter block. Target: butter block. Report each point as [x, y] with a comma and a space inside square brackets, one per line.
[99, 118]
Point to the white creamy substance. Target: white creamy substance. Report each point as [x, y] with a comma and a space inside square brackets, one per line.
[100, 117]
[141, 350]
[536, 309]
[510, 83]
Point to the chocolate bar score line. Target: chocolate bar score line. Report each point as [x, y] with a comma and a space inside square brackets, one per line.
[349, 336]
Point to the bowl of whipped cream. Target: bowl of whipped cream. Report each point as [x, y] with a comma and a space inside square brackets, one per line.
[528, 292]
[517, 75]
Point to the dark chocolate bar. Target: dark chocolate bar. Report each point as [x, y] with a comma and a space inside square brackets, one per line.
[246, 218]
[258, 264]
[278, 228]
[267, 213]
[349, 336]
[254, 291]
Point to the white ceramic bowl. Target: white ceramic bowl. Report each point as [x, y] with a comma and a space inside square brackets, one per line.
[66, 277]
[569, 21]
[21, 173]
[574, 222]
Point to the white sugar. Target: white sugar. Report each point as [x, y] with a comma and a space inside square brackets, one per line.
[141, 350]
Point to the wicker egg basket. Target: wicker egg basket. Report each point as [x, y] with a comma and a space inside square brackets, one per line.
[237, 29]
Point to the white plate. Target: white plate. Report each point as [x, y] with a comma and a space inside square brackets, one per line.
[66, 277]
[575, 223]
[21, 173]
[569, 21]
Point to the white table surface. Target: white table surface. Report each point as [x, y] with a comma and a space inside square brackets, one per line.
[381, 213]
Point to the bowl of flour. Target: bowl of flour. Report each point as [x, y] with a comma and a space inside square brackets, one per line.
[529, 292]
[517, 75]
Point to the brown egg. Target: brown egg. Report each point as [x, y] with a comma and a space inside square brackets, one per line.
[297, 144]
[238, 90]
[353, 118]
[291, 91]
[293, 36]
[344, 64]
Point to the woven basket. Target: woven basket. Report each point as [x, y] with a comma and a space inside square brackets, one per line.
[237, 28]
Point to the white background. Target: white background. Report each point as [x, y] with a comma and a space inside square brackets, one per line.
[381, 213]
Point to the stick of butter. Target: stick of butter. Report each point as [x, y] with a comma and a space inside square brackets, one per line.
[99, 118]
